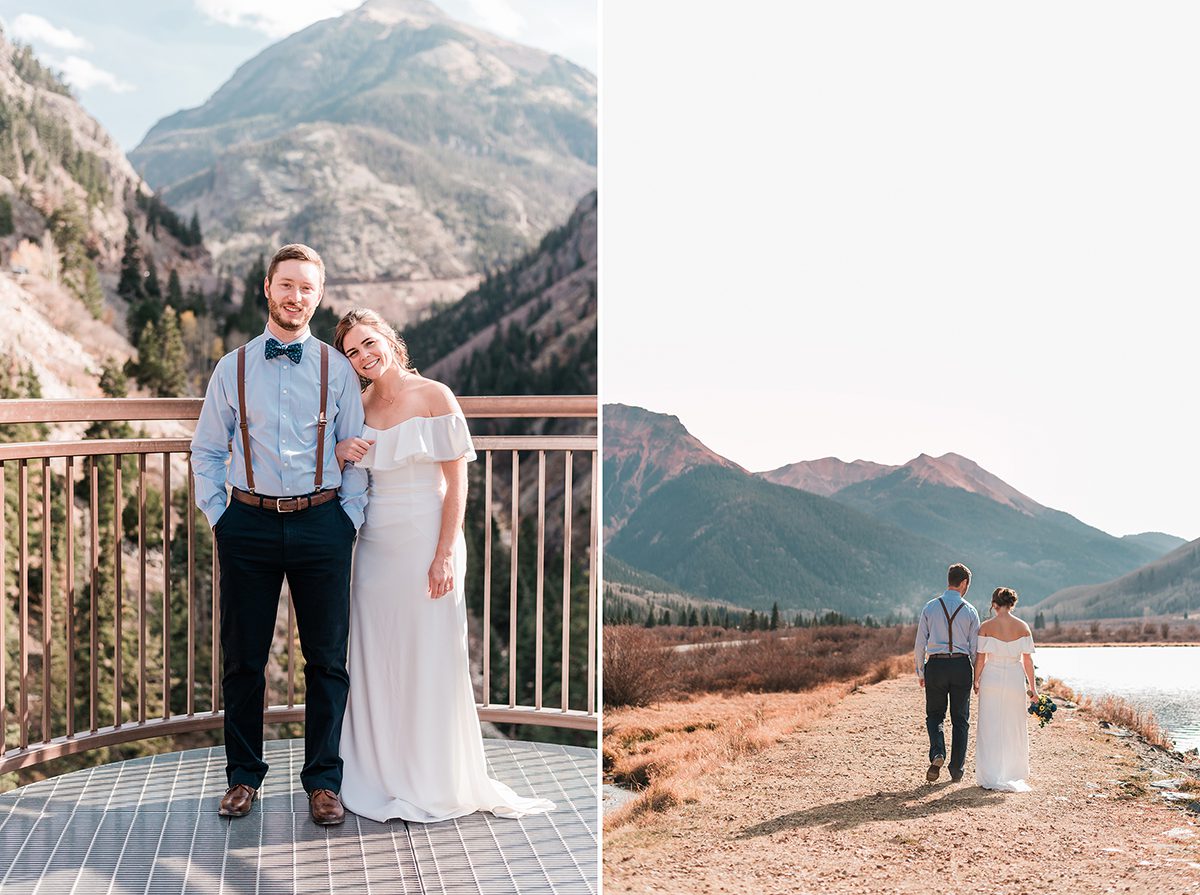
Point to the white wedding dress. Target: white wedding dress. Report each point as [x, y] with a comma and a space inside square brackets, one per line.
[411, 743]
[1002, 734]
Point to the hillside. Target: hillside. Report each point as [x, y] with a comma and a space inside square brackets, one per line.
[642, 451]
[413, 151]
[70, 203]
[724, 534]
[1168, 586]
[1035, 552]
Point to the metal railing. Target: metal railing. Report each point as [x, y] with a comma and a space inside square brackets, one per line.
[115, 679]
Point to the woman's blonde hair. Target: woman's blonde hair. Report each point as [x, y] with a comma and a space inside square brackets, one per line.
[367, 317]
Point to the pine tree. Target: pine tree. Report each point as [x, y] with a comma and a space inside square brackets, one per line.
[194, 236]
[775, 616]
[149, 365]
[132, 286]
[174, 290]
[172, 380]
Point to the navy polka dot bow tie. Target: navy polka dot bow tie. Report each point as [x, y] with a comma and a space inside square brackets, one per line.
[293, 351]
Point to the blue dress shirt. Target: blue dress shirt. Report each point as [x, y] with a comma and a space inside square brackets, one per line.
[933, 636]
[283, 402]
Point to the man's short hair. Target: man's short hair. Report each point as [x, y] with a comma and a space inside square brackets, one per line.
[957, 574]
[297, 252]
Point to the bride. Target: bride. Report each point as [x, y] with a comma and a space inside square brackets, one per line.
[1005, 684]
[411, 743]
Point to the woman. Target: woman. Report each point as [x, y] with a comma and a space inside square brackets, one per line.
[411, 743]
[1003, 680]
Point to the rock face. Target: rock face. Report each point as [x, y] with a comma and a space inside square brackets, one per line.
[643, 451]
[406, 147]
[826, 476]
[52, 155]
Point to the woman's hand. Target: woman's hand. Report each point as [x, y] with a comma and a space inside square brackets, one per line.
[351, 450]
[1033, 695]
[441, 577]
[976, 687]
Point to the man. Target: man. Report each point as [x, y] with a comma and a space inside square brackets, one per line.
[947, 635]
[284, 400]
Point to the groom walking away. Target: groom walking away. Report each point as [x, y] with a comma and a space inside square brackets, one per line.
[947, 635]
[294, 513]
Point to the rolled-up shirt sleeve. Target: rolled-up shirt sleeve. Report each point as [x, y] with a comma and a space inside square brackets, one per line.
[210, 448]
[349, 424]
[919, 646]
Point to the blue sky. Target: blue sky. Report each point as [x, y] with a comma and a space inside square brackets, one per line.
[132, 63]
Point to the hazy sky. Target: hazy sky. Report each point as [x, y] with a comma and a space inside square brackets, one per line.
[134, 62]
[872, 230]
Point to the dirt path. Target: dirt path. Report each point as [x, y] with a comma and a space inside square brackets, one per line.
[843, 806]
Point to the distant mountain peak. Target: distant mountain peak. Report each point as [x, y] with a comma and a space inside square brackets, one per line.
[826, 476]
[956, 471]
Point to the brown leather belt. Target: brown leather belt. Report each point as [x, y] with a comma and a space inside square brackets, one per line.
[284, 504]
[948, 655]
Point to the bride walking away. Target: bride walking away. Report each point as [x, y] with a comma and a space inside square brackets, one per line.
[1005, 683]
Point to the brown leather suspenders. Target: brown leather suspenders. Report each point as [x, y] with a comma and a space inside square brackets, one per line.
[950, 622]
[321, 418]
[244, 424]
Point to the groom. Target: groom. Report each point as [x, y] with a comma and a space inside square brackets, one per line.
[282, 402]
[947, 634]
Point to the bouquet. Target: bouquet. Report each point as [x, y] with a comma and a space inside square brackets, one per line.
[1044, 708]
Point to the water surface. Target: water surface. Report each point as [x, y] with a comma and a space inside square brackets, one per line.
[1163, 679]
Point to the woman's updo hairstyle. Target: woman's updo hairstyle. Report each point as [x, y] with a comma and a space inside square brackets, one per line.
[1004, 597]
[367, 317]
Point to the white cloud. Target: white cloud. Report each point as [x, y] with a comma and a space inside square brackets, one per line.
[499, 17]
[275, 18]
[34, 29]
[83, 75]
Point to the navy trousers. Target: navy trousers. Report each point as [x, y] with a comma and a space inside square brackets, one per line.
[948, 681]
[257, 549]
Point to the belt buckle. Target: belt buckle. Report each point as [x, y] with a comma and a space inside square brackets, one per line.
[295, 505]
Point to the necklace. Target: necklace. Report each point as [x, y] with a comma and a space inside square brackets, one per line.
[391, 401]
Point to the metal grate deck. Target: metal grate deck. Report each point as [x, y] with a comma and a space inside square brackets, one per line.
[151, 826]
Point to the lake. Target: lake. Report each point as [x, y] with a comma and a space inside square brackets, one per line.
[1163, 679]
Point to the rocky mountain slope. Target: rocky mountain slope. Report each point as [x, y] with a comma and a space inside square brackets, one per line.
[67, 198]
[1168, 586]
[643, 451]
[413, 151]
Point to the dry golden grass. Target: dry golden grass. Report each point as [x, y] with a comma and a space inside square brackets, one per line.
[667, 751]
[1115, 710]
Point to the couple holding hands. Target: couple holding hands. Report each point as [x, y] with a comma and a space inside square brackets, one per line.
[329, 447]
[955, 654]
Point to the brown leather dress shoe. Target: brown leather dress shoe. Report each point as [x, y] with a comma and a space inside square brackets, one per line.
[325, 807]
[237, 801]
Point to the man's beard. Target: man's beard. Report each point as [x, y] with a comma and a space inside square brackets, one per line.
[284, 324]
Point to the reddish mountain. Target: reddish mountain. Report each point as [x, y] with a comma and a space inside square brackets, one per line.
[642, 451]
[956, 471]
[826, 476]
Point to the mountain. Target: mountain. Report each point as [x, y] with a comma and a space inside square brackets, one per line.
[1168, 586]
[1156, 541]
[413, 151]
[642, 451]
[527, 330]
[826, 476]
[1005, 537]
[68, 200]
[725, 534]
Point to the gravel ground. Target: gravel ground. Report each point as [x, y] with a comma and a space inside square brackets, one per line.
[843, 806]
